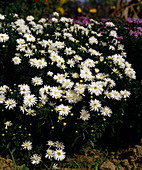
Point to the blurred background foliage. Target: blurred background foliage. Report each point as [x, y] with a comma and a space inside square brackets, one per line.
[73, 8]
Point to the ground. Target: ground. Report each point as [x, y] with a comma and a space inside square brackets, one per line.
[130, 158]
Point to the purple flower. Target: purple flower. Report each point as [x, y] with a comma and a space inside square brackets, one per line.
[129, 20]
[78, 22]
[136, 20]
[139, 28]
[126, 28]
[131, 32]
[103, 19]
[119, 38]
[50, 20]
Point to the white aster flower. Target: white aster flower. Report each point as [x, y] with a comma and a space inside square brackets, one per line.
[100, 76]
[127, 64]
[59, 44]
[85, 115]
[27, 145]
[130, 73]
[20, 41]
[50, 73]
[30, 18]
[106, 93]
[20, 22]
[42, 20]
[55, 166]
[16, 60]
[50, 143]
[93, 40]
[28, 53]
[57, 34]
[86, 74]
[67, 84]
[111, 47]
[113, 33]
[94, 52]
[56, 14]
[59, 78]
[43, 99]
[2, 98]
[4, 37]
[55, 92]
[20, 47]
[10, 104]
[64, 19]
[59, 155]
[2, 17]
[29, 37]
[53, 56]
[95, 88]
[80, 88]
[24, 89]
[43, 43]
[23, 29]
[120, 47]
[49, 153]
[33, 62]
[59, 145]
[95, 105]
[82, 49]
[118, 59]
[60, 61]
[30, 112]
[54, 20]
[3, 89]
[110, 82]
[68, 51]
[35, 159]
[115, 95]
[7, 123]
[71, 62]
[23, 109]
[63, 110]
[89, 63]
[72, 96]
[77, 58]
[75, 75]
[44, 90]
[106, 111]
[110, 24]
[37, 81]
[125, 93]
[30, 100]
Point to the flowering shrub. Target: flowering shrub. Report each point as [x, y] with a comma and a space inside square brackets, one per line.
[61, 84]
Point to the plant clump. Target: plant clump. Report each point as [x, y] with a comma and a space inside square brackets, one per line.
[61, 84]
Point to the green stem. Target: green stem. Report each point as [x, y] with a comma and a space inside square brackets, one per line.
[77, 164]
[51, 165]
[46, 166]
[13, 160]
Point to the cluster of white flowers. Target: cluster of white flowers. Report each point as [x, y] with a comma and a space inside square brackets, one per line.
[55, 150]
[72, 59]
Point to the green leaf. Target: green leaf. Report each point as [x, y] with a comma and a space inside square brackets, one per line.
[23, 167]
[89, 166]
